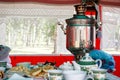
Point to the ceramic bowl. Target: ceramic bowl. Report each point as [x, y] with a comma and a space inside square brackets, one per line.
[2, 69]
[25, 64]
[74, 74]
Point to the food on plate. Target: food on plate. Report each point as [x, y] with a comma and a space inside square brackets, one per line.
[37, 72]
[47, 67]
[40, 71]
[50, 63]
[19, 69]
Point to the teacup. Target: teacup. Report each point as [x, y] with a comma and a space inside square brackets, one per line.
[98, 74]
[55, 75]
[74, 75]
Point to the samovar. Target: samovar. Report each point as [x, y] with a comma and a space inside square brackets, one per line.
[80, 32]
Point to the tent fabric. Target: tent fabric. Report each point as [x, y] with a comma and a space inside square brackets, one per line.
[103, 2]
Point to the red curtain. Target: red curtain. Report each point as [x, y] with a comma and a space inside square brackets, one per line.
[103, 2]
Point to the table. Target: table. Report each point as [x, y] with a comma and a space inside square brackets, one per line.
[112, 77]
[108, 76]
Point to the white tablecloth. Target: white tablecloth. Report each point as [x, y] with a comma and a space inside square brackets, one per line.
[112, 77]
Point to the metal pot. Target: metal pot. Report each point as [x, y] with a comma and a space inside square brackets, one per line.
[80, 31]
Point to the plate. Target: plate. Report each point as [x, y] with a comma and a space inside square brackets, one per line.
[10, 73]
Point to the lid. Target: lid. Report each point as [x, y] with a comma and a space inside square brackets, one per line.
[87, 60]
[79, 19]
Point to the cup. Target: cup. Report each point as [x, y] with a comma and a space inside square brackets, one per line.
[55, 75]
[98, 74]
[74, 75]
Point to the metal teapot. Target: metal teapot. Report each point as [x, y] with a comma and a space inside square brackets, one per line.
[87, 63]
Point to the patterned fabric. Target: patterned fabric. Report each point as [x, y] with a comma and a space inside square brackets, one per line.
[107, 59]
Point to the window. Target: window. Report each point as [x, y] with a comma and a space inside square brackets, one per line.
[33, 29]
[30, 35]
[111, 29]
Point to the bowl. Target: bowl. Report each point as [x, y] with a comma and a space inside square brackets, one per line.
[25, 64]
[74, 74]
[2, 69]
